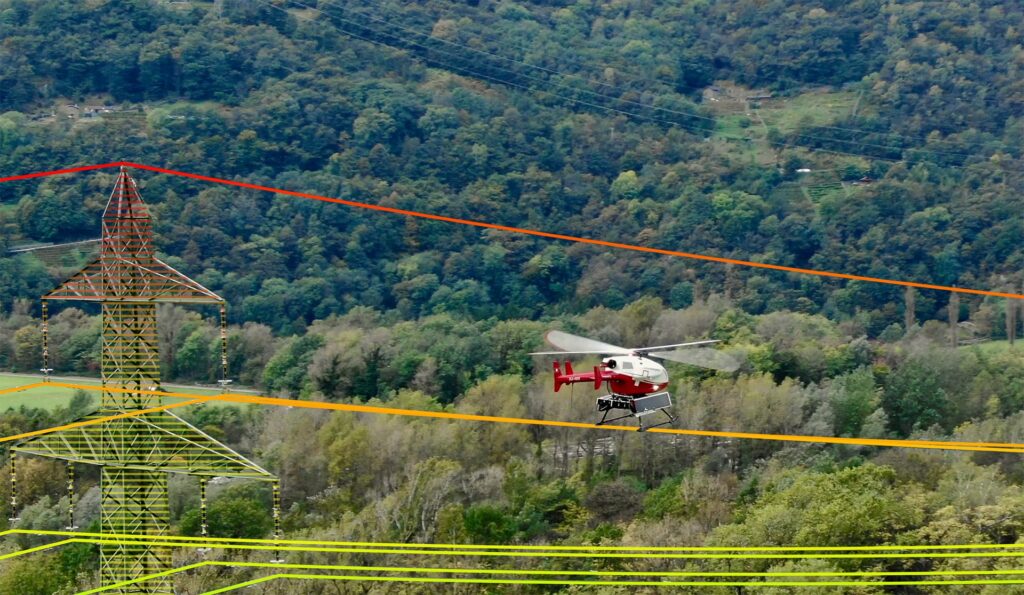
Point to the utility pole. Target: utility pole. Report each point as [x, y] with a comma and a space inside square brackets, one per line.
[954, 317]
[1011, 320]
[909, 305]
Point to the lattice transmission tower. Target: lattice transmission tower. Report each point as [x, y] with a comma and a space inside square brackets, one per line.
[135, 454]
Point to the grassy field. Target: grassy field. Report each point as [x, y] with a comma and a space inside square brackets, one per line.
[786, 113]
[53, 397]
[732, 126]
[819, 108]
[745, 134]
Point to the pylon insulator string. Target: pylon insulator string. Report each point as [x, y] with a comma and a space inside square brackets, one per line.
[46, 369]
[224, 380]
[13, 470]
[71, 497]
[277, 522]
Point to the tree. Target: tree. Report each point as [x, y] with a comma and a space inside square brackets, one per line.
[488, 524]
[51, 216]
[40, 479]
[193, 360]
[174, 325]
[511, 341]
[238, 518]
[914, 396]
[737, 213]
[42, 575]
[854, 397]
[373, 126]
[856, 506]
[499, 396]
[638, 320]
[410, 513]
[287, 370]
[627, 186]
[28, 348]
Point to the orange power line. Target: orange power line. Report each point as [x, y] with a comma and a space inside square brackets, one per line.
[354, 408]
[98, 420]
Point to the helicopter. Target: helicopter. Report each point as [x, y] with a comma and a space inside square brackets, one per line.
[635, 380]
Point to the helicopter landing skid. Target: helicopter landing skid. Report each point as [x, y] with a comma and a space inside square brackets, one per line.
[638, 407]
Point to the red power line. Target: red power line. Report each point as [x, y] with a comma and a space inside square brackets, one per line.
[525, 231]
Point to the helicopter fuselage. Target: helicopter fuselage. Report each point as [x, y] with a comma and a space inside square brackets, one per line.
[630, 375]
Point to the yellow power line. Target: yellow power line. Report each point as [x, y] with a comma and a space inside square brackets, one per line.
[691, 574]
[228, 541]
[757, 584]
[496, 571]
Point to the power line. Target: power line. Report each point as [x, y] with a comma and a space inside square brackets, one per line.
[551, 235]
[476, 74]
[610, 86]
[577, 239]
[484, 581]
[353, 408]
[534, 572]
[599, 573]
[91, 421]
[447, 65]
[162, 542]
[482, 35]
[228, 541]
[185, 542]
[466, 72]
[546, 70]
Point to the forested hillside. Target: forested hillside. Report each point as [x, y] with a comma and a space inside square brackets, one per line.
[872, 137]
[278, 94]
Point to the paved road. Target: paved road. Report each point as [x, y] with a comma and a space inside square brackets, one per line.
[73, 379]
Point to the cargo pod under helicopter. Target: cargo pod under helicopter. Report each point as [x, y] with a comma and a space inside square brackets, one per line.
[635, 380]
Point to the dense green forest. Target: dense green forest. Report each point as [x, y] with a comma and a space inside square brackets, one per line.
[873, 137]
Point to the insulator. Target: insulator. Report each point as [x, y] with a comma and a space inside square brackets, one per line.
[71, 497]
[204, 530]
[277, 522]
[277, 510]
[204, 527]
[14, 488]
[223, 345]
[46, 342]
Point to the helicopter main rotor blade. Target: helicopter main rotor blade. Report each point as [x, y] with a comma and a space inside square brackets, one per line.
[574, 344]
[605, 352]
[664, 347]
[702, 357]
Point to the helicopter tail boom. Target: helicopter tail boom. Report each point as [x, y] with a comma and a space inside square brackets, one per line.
[558, 375]
[570, 376]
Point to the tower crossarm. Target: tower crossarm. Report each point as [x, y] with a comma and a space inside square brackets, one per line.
[159, 441]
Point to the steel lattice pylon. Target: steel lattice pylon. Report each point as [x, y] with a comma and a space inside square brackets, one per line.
[135, 453]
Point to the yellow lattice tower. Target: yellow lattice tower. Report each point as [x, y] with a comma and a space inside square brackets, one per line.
[136, 454]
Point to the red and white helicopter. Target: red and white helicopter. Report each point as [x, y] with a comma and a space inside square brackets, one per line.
[637, 383]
